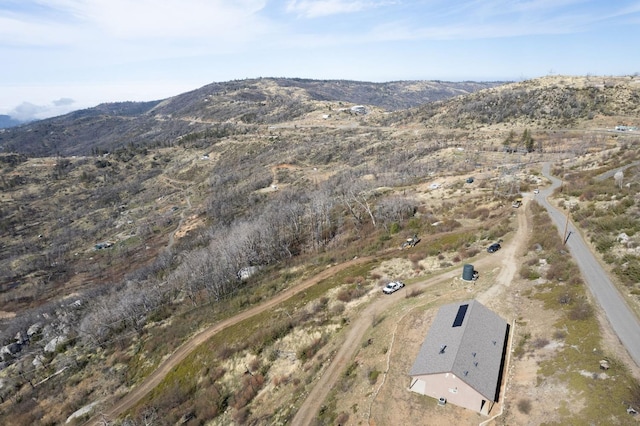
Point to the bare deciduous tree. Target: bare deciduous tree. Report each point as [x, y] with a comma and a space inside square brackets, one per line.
[619, 177]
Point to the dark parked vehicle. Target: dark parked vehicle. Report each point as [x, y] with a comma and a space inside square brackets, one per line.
[493, 248]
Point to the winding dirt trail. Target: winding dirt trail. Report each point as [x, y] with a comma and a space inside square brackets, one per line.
[116, 408]
[504, 259]
[357, 329]
[509, 264]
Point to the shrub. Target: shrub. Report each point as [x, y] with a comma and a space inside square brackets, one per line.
[472, 251]
[241, 416]
[564, 298]
[629, 271]
[581, 311]
[603, 243]
[634, 395]
[337, 309]
[540, 343]
[350, 293]
[251, 384]
[394, 228]
[479, 213]
[528, 273]
[520, 347]
[558, 271]
[524, 406]
[225, 352]
[416, 257]
[373, 376]
[414, 292]
[311, 350]
[342, 418]
[559, 334]
[351, 369]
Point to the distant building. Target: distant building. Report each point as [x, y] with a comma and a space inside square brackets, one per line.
[462, 357]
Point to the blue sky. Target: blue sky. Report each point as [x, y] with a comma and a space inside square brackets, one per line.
[61, 55]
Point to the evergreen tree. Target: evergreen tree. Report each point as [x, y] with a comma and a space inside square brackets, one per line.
[509, 140]
[527, 140]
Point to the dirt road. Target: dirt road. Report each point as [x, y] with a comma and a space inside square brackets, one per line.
[505, 259]
[356, 331]
[116, 408]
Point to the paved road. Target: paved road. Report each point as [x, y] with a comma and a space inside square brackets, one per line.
[622, 319]
[611, 173]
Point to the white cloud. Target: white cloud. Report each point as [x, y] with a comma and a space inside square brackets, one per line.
[63, 102]
[89, 21]
[43, 101]
[17, 31]
[27, 111]
[175, 18]
[320, 8]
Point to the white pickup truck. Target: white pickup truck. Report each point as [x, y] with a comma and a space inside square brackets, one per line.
[393, 286]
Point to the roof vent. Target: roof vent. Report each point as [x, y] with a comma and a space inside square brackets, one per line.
[475, 363]
[442, 348]
[474, 354]
[466, 372]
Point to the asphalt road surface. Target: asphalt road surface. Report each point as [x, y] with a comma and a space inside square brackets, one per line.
[620, 316]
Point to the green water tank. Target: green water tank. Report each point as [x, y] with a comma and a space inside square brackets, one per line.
[467, 272]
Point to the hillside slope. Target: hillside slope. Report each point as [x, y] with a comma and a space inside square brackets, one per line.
[234, 106]
[222, 199]
[554, 101]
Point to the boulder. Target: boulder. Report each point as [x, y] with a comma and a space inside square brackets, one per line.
[54, 343]
[38, 361]
[34, 329]
[11, 349]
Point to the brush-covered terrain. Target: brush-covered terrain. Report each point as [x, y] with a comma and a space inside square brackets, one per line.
[237, 235]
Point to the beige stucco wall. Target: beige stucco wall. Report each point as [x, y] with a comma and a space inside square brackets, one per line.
[447, 385]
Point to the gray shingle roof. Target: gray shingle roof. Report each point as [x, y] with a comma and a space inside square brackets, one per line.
[471, 351]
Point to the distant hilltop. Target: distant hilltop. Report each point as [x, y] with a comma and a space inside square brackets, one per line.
[8, 121]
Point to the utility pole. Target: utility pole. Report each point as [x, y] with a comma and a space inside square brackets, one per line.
[565, 237]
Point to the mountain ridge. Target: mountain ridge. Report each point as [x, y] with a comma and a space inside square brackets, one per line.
[245, 102]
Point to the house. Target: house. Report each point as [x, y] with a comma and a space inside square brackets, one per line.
[462, 357]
